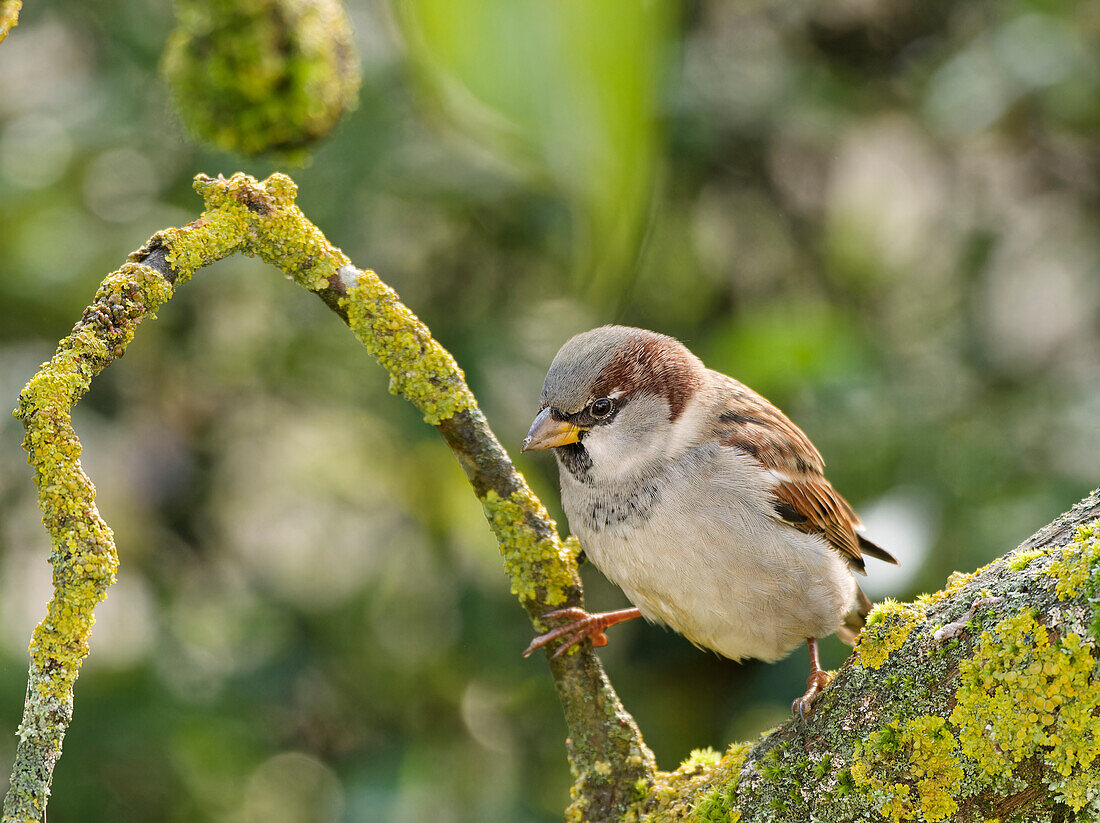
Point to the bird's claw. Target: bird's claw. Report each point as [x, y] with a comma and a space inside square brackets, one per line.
[815, 684]
[583, 626]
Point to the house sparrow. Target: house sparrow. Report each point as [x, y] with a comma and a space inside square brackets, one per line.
[701, 500]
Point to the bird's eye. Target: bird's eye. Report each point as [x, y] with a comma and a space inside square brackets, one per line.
[602, 407]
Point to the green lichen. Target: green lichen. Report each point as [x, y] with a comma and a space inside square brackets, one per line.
[539, 564]
[909, 771]
[1027, 693]
[254, 76]
[1077, 570]
[888, 626]
[420, 369]
[83, 553]
[1017, 561]
[700, 759]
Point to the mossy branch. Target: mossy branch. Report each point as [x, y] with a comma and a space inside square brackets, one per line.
[607, 754]
[978, 703]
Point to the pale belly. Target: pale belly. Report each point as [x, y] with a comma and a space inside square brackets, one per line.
[719, 570]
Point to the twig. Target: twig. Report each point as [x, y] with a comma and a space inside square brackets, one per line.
[956, 627]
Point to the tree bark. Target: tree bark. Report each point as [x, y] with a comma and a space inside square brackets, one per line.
[978, 703]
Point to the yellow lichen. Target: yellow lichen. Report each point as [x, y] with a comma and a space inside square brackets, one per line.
[955, 582]
[281, 234]
[1026, 693]
[262, 219]
[1017, 561]
[214, 236]
[1079, 562]
[888, 626]
[421, 370]
[700, 760]
[534, 561]
[83, 552]
[918, 755]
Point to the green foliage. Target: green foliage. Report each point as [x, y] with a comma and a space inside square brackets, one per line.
[569, 93]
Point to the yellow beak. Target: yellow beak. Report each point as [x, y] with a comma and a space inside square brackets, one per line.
[548, 433]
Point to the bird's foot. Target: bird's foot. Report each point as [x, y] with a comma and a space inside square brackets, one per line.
[815, 685]
[584, 626]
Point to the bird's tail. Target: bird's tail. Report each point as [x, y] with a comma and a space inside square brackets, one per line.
[855, 619]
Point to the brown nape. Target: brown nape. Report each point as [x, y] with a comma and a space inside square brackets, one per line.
[659, 366]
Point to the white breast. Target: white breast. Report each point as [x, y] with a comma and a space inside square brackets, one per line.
[716, 566]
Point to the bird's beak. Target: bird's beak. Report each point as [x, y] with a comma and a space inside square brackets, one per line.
[548, 433]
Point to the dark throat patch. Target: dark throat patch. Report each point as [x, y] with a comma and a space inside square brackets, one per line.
[576, 460]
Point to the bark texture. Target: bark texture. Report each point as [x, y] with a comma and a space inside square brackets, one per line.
[978, 703]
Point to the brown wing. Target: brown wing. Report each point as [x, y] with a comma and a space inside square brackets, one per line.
[819, 509]
[803, 497]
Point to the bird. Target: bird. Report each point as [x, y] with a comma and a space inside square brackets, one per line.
[701, 500]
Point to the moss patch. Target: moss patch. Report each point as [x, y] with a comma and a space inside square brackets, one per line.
[910, 770]
[541, 566]
[888, 627]
[1028, 693]
[253, 76]
[1017, 561]
[703, 789]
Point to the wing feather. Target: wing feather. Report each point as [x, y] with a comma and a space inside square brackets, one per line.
[804, 499]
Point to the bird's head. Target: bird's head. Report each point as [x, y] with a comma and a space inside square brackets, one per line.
[615, 402]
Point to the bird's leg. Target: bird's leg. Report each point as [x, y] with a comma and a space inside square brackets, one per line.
[584, 626]
[815, 683]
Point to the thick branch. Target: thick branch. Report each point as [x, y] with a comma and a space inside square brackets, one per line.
[978, 703]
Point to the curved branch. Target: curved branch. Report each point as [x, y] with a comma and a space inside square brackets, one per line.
[607, 754]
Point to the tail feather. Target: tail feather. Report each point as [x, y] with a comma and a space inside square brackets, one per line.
[854, 620]
[869, 548]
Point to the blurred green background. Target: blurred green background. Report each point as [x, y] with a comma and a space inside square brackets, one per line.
[883, 216]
